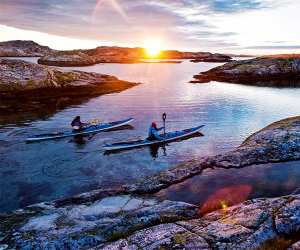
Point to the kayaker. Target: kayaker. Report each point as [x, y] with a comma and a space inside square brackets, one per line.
[153, 132]
[77, 124]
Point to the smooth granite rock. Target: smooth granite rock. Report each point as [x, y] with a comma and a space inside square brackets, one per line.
[89, 224]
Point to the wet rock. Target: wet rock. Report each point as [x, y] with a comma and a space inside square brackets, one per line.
[21, 48]
[265, 71]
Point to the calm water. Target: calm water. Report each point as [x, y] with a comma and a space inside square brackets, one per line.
[214, 188]
[43, 171]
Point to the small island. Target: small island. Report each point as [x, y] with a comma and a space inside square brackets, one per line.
[277, 70]
[28, 86]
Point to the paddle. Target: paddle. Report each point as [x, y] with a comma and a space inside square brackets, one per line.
[164, 117]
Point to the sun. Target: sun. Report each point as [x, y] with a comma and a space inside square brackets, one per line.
[153, 47]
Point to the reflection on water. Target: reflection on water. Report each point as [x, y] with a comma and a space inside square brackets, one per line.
[219, 188]
[230, 112]
[154, 148]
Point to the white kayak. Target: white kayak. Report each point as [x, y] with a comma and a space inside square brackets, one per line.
[168, 137]
[88, 130]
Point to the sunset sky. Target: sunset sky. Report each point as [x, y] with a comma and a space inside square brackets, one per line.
[237, 26]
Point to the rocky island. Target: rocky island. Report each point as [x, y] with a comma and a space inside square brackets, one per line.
[28, 86]
[123, 55]
[131, 216]
[102, 54]
[278, 70]
[210, 57]
[19, 48]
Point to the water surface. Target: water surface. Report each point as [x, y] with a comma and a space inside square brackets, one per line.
[48, 170]
[215, 188]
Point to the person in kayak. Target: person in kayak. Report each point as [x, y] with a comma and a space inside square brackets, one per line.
[77, 124]
[153, 132]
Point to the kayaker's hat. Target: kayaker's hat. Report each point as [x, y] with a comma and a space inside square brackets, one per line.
[154, 125]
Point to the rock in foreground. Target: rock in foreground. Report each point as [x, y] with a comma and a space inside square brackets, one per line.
[139, 222]
[87, 224]
[21, 48]
[264, 71]
[255, 224]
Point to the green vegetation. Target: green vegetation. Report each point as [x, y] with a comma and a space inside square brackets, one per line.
[31, 84]
[181, 238]
[64, 78]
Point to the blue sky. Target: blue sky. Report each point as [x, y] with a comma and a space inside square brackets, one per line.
[238, 26]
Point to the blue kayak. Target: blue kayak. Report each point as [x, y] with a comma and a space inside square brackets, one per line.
[168, 137]
[88, 130]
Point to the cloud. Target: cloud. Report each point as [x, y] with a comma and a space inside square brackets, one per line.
[274, 47]
[184, 23]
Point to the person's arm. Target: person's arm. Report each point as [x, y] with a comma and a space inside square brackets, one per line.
[157, 135]
[160, 128]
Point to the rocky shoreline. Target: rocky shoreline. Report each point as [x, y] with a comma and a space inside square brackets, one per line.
[124, 56]
[102, 54]
[130, 217]
[27, 86]
[279, 70]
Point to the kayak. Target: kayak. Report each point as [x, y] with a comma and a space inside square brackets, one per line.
[170, 136]
[88, 130]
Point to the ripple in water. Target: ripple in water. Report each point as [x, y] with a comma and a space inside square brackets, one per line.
[230, 112]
